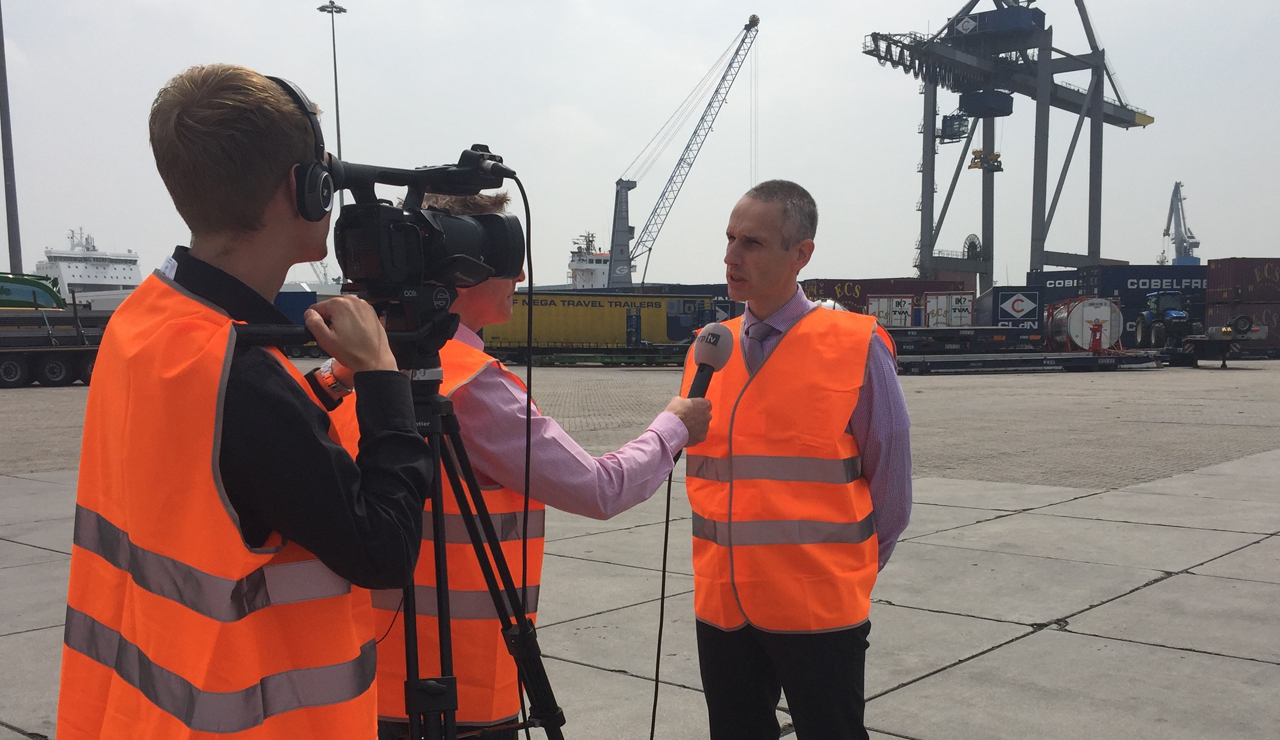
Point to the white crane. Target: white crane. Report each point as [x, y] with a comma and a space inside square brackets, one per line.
[623, 255]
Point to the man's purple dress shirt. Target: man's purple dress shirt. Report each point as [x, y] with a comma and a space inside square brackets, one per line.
[563, 475]
[879, 424]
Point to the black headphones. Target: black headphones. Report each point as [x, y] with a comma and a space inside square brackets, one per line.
[315, 184]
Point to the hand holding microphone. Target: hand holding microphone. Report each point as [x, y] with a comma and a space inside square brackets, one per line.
[711, 352]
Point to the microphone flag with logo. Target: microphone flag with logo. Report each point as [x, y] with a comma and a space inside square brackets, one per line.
[711, 352]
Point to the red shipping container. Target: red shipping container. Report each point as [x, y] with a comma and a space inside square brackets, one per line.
[1264, 314]
[1244, 280]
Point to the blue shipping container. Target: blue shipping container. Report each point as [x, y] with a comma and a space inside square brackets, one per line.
[1065, 280]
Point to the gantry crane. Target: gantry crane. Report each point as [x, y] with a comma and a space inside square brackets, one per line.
[1185, 243]
[987, 58]
[622, 254]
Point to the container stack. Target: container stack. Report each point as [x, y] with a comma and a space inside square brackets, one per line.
[1249, 286]
[897, 302]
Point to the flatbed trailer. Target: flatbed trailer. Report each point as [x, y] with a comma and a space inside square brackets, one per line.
[1216, 344]
[52, 347]
[1025, 361]
[966, 340]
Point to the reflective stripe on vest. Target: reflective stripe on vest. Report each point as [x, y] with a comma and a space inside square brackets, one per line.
[783, 527]
[218, 711]
[786, 532]
[462, 604]
[509, 526]
[215, 597]
[769, 467]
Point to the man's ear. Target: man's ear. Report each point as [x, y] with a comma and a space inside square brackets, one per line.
[803, 253]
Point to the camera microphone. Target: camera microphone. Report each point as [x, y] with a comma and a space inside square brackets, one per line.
[711, 352]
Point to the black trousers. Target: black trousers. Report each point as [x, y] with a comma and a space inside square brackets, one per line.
[745, 671]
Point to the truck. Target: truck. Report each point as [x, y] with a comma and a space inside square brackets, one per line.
[42, 339]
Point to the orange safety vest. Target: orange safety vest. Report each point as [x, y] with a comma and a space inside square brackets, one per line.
[175, 627]
[783, 529]
[488, 692]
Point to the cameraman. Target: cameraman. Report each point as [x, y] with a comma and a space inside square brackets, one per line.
[220, 523]
[490, 404]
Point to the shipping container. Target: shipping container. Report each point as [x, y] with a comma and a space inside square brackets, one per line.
[852, 294]
[1263, 314]
[1001, 306]
[948, 309]
[896, 310]
[1129, 285]
[1244, 280]
[1071, 322]
[588, 319]
[1066, 280]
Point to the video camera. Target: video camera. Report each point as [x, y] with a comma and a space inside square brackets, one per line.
[420, 255]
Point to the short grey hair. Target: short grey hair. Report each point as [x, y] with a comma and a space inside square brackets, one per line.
[799, 211]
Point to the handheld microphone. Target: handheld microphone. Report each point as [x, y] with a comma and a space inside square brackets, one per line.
[711, 352]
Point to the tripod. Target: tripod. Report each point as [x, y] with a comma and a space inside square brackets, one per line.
[417, 332]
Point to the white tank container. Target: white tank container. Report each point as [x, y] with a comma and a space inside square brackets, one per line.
[1070, 322]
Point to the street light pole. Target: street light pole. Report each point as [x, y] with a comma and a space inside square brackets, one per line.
[333, 9]
[6, 143]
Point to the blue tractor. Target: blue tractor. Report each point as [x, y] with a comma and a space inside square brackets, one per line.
[1165, 322]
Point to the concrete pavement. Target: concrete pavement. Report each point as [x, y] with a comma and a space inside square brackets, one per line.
[1053, 600]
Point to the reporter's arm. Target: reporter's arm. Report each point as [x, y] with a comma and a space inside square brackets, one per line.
[882, 428]
[282, 472]
[563, 475]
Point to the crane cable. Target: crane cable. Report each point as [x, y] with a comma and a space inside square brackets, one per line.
[665, 135]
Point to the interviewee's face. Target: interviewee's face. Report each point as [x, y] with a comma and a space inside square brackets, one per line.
[757, 268]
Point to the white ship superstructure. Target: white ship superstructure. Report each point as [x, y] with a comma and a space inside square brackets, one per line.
[588, 267]
[83, 268]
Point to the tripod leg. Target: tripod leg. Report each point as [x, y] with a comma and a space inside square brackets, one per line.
[518, 630]
[431, 705]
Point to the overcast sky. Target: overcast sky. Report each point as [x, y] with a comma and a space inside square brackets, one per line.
[569, 92]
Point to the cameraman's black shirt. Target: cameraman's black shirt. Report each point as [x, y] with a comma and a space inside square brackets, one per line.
[283, 473]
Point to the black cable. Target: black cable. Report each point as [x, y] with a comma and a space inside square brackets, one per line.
[662, 610]
[528, 428]
[394, 617]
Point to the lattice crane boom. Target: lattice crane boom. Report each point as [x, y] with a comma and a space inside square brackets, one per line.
[649, 234]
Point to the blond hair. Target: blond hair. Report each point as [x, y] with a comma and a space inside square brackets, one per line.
[224, 137]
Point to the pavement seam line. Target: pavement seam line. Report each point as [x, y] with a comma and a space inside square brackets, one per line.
[886, 602]
[1168, 647]
[615, 531]
[1046, 557]
[38, 547]
[614, 609]
[620, 565]
[1030, 631]
[22, 732]
[892, 734]
[1164, 576]
[1003, 515]
[621, 672]
[1153, 524]
[34, 629]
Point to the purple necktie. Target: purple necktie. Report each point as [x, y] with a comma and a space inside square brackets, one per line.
[757, 333]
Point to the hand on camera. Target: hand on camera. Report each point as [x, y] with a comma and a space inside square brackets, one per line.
[696, 415]
[348, 329]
